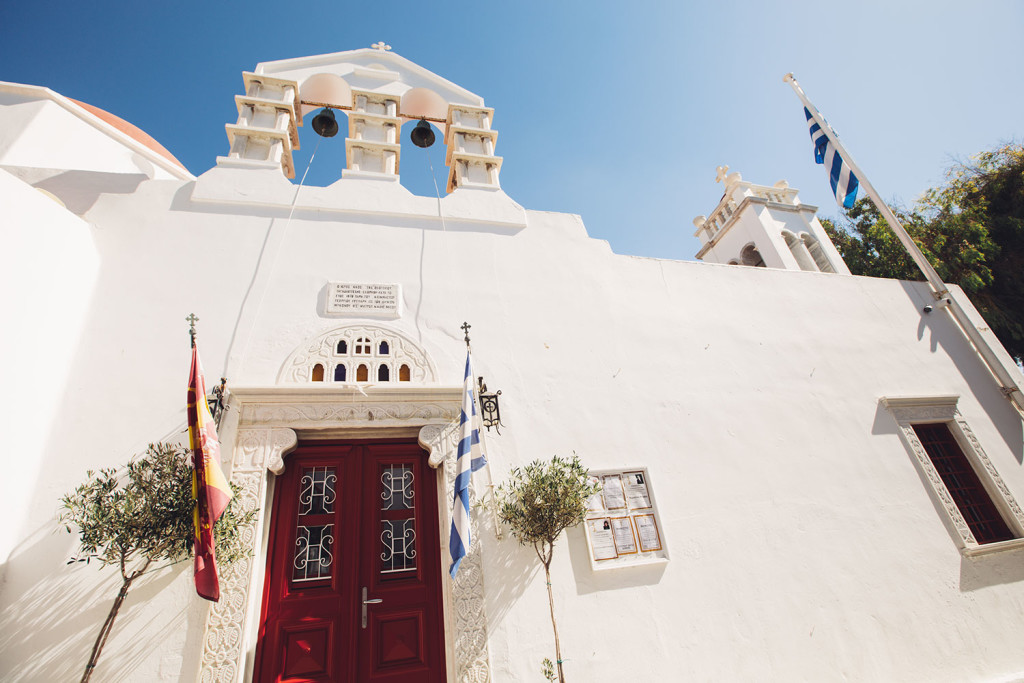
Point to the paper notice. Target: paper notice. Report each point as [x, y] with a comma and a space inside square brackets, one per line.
[614, 499]
[601, 541]
[647, 529]
[622, 533]
[637, 495]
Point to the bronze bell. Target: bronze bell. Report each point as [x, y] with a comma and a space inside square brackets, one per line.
[324, 123]
[422, 135]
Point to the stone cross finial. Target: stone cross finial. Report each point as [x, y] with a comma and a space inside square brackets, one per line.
[381, 45]
[722, 172]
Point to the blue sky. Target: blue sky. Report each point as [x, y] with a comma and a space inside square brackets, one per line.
[616, 111]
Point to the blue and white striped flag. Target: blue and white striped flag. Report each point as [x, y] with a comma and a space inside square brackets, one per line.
[844, 182]
[470, 459]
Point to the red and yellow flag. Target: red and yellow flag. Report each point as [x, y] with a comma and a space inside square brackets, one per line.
[209, 486]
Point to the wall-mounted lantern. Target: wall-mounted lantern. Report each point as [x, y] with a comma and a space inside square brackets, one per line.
[490, 413]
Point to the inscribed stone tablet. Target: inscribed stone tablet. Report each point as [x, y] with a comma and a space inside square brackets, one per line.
[364, 300]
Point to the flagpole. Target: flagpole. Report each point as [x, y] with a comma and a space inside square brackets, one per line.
[1007, 383]
[492, 504]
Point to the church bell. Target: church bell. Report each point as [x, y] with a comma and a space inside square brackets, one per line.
[422, 135]
[324, 123]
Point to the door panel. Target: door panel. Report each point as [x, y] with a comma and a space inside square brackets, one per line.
[353, 522]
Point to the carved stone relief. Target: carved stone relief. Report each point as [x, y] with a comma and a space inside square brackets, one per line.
[256, 451]
[323, 350]
[907, 411]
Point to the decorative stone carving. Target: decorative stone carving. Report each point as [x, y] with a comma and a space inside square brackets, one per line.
[265, 435]
[938, 486]
[223, 658]
[982, 456]
[472, 663]
[322, 349]
[260, 449]
[909, 410]
[439, 441]
[326, 415]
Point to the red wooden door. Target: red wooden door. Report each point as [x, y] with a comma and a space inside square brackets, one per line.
[353, 583]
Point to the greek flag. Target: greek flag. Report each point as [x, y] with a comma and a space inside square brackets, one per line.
[470, 459]
[844, 183]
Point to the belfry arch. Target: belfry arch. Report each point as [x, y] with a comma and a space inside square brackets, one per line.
[372, 92]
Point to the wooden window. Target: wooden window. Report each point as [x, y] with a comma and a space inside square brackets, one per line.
[965, 488]
[384, 373]
[403, 373]
[339, 373]
[318, 373]
[362, 373]
[363, 347]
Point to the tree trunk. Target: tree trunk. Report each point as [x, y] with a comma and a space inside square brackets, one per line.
[554, 624]
[101, 639]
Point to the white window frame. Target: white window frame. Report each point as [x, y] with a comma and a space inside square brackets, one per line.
[911, 410]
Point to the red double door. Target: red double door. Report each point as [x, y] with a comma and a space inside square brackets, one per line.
[353, 583]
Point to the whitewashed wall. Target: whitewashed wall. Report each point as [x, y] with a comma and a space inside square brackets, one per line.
[804, 544]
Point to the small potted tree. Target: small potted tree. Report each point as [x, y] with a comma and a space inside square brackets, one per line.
[138, 518]
[538, 502]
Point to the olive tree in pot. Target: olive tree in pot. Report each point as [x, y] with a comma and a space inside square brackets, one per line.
[538, 502]
[140, 517]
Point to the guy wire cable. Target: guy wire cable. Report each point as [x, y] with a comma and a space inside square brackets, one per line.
[259, 265]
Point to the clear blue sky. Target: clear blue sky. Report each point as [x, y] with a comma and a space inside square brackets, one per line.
[616, 111]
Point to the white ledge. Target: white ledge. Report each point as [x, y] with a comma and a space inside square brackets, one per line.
[989, 548]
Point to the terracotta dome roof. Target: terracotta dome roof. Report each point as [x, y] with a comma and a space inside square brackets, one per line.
[131, 131]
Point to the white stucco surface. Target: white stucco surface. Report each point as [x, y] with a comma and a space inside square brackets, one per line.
[804, 542]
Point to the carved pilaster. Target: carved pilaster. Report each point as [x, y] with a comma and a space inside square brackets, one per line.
[938, 486]
[472, 661]
[224, 642]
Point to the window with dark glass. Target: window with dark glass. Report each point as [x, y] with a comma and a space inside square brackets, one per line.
[962, 482]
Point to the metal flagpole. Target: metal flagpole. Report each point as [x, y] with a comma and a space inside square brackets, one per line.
[492, 503]
[1007, 383]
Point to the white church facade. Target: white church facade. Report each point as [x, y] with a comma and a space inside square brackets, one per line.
[809, 476]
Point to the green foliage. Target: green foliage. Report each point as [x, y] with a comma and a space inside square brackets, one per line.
[544, 498]
[547, 669]
[971, 230]
[143, 514]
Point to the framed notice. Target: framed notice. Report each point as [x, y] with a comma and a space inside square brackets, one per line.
[594, 503]
[612, 493]
[622, 534]
[637, 495]
[602, 543]
[647, 530]
[623, 527]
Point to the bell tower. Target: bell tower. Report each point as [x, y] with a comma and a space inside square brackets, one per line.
[757, 225]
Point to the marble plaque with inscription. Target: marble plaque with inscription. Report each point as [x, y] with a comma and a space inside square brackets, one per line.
[364, 300]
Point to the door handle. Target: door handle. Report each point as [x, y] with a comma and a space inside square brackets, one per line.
[371, 601]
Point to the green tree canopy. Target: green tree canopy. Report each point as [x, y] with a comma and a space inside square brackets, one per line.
[971, 229]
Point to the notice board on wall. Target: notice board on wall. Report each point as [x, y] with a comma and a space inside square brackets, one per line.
[623, 527]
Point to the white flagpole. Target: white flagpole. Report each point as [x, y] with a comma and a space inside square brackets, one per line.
[1007, 383]
[493, 502]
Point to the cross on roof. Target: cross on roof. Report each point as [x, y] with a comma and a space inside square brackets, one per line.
[381, 45]
[465, 328]
[722, 172]
[192, 319]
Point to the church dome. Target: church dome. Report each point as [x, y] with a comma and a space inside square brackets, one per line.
[131, 131]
